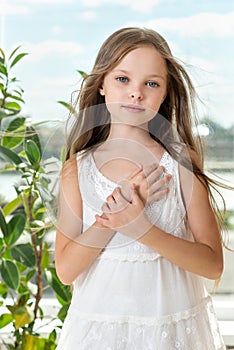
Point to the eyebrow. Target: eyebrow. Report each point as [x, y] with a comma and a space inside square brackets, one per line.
[150, 75]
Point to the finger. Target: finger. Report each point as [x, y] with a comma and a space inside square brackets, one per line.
[155, 175]
[135, 194]
[111, 198]
[135, 173]
[101, 220]
[118, 197]
[121, 201]
[115, 202]
[125, 188]
[160, 184]
[152, 168]
[157, 195]
[106, 208]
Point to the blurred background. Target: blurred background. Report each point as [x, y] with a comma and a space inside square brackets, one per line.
[64, 36]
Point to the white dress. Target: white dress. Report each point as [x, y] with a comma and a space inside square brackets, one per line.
[131, 298]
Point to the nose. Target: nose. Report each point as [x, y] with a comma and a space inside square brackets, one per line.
[136, 95]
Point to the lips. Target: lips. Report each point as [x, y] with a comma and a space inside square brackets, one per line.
[133, 108]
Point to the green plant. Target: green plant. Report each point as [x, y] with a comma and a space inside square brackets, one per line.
[27, 265]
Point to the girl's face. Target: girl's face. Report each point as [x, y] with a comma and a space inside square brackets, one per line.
[136, 87]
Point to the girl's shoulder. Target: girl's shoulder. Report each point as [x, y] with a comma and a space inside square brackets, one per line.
[70, 169]
[71, 165]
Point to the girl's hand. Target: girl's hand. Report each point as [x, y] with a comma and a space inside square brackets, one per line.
[150, 184]
[127, 217]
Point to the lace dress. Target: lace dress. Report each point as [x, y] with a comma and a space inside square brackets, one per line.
[131, 298]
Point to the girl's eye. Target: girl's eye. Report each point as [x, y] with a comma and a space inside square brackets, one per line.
[122, 79]
[152, 84]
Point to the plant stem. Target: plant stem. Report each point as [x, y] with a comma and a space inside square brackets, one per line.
[38, 255]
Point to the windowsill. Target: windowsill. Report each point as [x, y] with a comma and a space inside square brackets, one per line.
[224, 307]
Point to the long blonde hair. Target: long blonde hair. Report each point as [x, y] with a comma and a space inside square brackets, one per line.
[92, 124]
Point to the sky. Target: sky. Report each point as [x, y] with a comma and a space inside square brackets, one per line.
[63, 36]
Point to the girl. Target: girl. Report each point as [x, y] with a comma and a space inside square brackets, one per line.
[137, 233]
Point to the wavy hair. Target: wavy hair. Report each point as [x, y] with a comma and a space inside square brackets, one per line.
[92, 121]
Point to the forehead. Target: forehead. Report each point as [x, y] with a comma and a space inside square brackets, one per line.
[143, 59]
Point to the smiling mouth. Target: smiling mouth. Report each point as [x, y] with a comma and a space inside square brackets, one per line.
[133, 108]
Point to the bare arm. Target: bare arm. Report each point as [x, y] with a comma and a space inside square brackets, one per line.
[204, 256]
[75, 252]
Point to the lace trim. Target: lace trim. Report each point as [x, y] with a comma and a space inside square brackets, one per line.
[100, 174]
[129, 257]
[151, 321]
[167, 161]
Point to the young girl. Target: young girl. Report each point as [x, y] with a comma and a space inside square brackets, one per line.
[137, 234]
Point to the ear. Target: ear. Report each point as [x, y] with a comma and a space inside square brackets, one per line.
[101, 91]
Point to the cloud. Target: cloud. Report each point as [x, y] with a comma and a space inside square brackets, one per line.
[209, 24]
[48, 1]
[56, 29]
[136, 5]
[25, 8]
[7, 9]
[88, 15]
[62, 81]
[51, 47]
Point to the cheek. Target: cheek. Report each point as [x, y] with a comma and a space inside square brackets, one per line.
[156, 101]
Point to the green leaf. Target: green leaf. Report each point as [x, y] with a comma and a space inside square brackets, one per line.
[53, 335]
[12, 206]
[33, 342]
[16, 124]
[24, 254]
[10, 155]
[15, 228]
[32, 134]
[22, 316]
[68, 106]
[10, 273]
[63, 312]
[23, 299]
[14, 133]
[2, 53]
[14, 51]
[53, 280]
[3, 224]
[17, 58]
[22, 289]
[45, 261]
[32, 151]
[8, 167]
[17, 98]
[12, 142]
[30, 274]
[12, 106]
[3, 289]
[22, 268]
[82, 73]
[3, 70]
[5, 319]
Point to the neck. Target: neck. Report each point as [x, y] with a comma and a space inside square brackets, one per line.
[138, 133]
